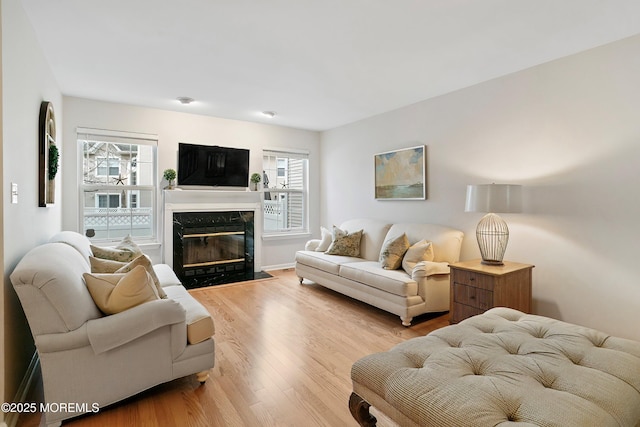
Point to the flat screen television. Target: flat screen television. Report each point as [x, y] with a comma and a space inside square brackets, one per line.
[212, 165]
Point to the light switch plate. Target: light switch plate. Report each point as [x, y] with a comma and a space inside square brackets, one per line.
[14, 192]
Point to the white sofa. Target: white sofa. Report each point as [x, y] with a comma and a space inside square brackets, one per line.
[91, 360]
[426, 290]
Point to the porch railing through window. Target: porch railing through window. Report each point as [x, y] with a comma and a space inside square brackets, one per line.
[127, 220]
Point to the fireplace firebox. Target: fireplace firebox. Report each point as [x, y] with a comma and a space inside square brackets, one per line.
[213, 248]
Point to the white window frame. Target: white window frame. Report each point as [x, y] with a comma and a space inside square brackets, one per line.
[117, 137]
[282, 192]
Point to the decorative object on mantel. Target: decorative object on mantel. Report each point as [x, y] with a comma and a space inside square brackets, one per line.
[255, 180]
[401, 174]
[169, 175]
[492, 231]
[48, 155]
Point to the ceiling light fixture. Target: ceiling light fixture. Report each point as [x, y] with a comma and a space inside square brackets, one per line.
[185, 100]
[270, 114]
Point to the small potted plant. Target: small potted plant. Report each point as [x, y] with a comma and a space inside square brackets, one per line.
[169, 175]
[255, 180]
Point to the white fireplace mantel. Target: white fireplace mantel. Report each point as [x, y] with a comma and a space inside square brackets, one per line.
[211, 201]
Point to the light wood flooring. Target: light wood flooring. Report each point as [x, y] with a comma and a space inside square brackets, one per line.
[283, 357]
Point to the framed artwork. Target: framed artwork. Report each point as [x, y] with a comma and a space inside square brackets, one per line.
[401, 174]
[47, 155]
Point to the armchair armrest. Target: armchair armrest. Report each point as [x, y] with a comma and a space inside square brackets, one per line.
[50, 343]
[429, 268]
[109, 332]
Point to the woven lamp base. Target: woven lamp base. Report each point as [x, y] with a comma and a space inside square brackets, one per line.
[493, 235]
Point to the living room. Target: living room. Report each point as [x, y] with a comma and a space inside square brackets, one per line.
[566, 130]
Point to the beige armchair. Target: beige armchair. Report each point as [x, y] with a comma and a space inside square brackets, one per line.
[91, 360]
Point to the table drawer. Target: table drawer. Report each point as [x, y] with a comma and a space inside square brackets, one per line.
[471, 278]
[472, 296]
[461, 312]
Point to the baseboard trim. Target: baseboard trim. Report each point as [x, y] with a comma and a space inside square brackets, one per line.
[268, 268]
[23, 390]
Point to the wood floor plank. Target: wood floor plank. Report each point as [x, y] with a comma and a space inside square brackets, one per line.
[283, 358]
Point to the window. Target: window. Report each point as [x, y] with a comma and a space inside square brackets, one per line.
[118, 184]
[285, 191]
[106, 166]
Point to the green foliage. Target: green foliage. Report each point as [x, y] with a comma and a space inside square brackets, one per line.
[54, 154]
[256, 178]
[169, 174]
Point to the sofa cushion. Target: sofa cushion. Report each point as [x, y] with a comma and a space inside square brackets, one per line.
[418, 252]
[166, 276]
[114, 293]
[392, 252]
[395, 282]
[373, 236]
[125, 251]
[328, 263]
[345, 243]
[200, 325]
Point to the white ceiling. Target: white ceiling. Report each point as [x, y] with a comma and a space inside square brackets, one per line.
[318, 63]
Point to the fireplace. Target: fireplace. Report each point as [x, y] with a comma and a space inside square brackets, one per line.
[213, 248]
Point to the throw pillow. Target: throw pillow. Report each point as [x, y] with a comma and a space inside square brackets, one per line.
[114, 293]
[144, 261]
[325, 240]
[126, 251]
[344, 243]
[420, 251]
[99, 265]
[392, 252]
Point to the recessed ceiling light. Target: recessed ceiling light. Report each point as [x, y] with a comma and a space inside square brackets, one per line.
[185, 100]
[270, 114]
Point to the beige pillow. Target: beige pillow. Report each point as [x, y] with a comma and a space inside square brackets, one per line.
[114, 293]
[325, 241]
[144, 261]
[418, 252]
[344, 243]
[126, 251]
[392, 252]
[100, 265]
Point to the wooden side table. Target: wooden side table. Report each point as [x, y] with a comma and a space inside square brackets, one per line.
[476, 287]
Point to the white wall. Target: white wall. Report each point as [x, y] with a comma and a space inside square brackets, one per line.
[172, 128]
[568, 131]
[27, 81]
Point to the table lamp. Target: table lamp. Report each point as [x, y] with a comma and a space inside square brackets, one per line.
[492, 231]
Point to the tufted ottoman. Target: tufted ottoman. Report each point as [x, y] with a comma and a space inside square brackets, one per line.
[503, 368]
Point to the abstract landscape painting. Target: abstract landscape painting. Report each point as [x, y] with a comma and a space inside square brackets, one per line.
[401, 174]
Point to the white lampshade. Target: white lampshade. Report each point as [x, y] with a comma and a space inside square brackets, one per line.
[492, 232]
[496, 198]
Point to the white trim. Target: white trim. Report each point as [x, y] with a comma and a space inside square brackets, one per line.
[118, 134]
[286, 152]
[268, 268]
[286, 235]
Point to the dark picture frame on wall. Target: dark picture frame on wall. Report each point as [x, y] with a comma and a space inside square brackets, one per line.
[48, 155]
[401, 174]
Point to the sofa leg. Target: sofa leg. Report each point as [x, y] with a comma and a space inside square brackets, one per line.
[360, 411]
[202, 376]
[406, 321]
[300, 279]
